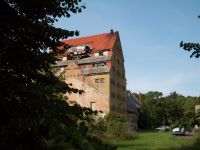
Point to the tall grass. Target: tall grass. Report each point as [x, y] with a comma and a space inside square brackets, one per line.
[157, 141]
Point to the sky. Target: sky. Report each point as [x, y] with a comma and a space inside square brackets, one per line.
[150, 33]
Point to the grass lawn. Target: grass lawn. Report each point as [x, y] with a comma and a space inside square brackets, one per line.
[147, 140]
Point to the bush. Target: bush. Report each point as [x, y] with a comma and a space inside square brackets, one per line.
[111, 126]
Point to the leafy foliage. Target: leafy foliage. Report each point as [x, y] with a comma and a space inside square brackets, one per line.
[172, 109]
[34, 114]
[195, 47]
[111, 127]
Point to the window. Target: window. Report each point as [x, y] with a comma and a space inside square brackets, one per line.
[102, 80]
[112, 94]
[113, 69]
[86, 66]
[64, 58]
[99, 65]
[123, 99]
[118, 73]
[96, 80]
[119, 97]
[100, 53]
[92, 105]
[96, 54]
[62, 69]
[105, 53]
[94, 65]
[123, 76]
[113, 107]
[113, 81]
[118, 61]
[117, 84]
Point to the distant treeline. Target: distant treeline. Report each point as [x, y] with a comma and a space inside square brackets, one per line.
[173, 110]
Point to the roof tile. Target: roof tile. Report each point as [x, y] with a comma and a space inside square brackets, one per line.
[96, 42]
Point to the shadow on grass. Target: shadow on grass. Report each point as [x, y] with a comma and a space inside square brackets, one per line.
[195, 146]
[133, 146]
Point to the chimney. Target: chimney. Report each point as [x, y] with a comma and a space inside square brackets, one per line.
[112, 31]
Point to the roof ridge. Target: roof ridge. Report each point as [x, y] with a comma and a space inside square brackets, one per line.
[89, 36]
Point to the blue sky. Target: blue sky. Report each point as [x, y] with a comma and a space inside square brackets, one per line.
[150, 33]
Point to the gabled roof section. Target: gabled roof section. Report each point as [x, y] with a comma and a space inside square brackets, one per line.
[132, 102]
[97, 42]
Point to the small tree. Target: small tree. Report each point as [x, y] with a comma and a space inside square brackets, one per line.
[112, 127]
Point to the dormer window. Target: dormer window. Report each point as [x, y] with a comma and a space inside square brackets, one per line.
[79, 52]
[105, 53]
[100, 53]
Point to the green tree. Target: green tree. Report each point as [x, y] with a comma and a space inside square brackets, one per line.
[189, 118]
[158, 110]
[153, 95]
[173, 107]
[152, 113]
[34, 114]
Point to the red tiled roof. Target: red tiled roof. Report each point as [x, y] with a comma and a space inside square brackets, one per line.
[96, 42]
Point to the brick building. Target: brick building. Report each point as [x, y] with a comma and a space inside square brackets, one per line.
[95, 64]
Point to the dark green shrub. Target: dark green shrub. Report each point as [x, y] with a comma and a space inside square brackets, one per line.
[111, 127]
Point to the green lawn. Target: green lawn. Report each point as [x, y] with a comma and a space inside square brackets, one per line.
[158, 141]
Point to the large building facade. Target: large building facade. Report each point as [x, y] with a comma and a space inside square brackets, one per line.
[95, 64]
